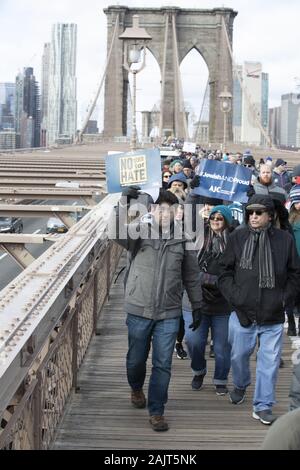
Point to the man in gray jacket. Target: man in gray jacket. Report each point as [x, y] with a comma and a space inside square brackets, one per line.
[160, 264]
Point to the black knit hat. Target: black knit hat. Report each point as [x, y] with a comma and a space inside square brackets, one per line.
[279, 162]
[187, 164]
[249, 160]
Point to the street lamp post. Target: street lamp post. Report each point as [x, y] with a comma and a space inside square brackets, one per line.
[135, 40]
[225, 105]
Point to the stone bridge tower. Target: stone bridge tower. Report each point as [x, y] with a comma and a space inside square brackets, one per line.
[171, 28]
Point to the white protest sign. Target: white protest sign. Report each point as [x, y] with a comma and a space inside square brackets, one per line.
[189, 147]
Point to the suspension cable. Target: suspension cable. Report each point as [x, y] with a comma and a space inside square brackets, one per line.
[201, 111]
[244, 89]
[163, 76]
[92, 107]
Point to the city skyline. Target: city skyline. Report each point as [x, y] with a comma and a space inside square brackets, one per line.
[264, 37]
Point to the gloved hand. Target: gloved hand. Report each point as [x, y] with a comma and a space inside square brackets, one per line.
[195, 182]
[197, 317]
[210, 293]
[131, 192]
[250, 191]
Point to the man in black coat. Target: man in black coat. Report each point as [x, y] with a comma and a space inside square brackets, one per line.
[259, 276]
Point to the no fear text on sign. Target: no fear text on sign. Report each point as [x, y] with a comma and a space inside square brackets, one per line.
[142, 168]
[133, 170]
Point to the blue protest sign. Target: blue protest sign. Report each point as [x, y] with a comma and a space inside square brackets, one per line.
[142, 168]
[223, 180]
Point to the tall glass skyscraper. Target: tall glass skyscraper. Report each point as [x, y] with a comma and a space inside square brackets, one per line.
[62, 101]
[250, 103]
[27, 110]
[290, 107]
[265, 102]
[7, 105]
[45, 92]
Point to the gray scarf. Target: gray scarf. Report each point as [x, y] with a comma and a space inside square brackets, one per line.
[265, 259]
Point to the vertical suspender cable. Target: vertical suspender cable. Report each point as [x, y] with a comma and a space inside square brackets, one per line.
[92, 107]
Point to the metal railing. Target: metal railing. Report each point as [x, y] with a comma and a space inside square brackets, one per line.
[31, 422]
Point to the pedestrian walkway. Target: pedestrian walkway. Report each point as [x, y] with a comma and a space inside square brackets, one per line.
[100, 415]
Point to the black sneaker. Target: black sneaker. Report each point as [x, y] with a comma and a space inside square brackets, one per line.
[264, 416]
[237, 395]
[180, 352]
[291, 331]
[221, 390]
[281, 364]
[197, 382]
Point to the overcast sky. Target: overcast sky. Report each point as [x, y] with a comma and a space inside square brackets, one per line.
[264, 30]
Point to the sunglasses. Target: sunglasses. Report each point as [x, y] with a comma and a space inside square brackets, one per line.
[167, 176]
[256, 212]
[216, 219]
[248, 166]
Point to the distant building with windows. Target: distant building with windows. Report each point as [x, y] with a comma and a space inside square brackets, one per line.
[45, 93]
[290, 120]
[250, 103]
[201, 132]
[62, 101]
[7, 105]
[264, 104]
[27, 110]
[92, 127]
[275, 125]
[7, 140]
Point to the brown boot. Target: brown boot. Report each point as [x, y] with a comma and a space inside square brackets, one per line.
[138, 399]
[158, 423]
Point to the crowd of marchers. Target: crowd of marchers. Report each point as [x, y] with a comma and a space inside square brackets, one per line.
[233, 290]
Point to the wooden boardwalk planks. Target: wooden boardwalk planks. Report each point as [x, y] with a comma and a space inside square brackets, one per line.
[100, 416]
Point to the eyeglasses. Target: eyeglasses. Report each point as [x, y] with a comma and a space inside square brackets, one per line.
[216, 219]
[256, 212]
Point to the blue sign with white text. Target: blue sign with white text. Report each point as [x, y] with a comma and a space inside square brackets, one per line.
[142, 168]
[223, 180]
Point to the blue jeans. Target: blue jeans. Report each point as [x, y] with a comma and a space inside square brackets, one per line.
[163, 333]
[243, 342]
[196, 344]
